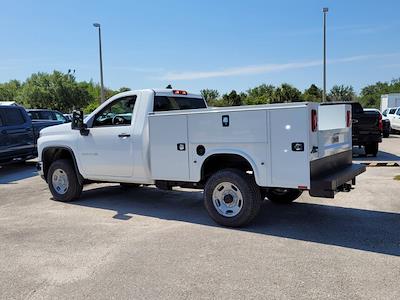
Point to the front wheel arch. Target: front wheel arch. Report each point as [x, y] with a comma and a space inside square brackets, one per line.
[51, 154]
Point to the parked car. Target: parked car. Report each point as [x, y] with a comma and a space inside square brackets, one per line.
[385, 121]
[47, 114]
[366, 129]
[238, 155]
[389, 113]
[395, 120]
[18, 134]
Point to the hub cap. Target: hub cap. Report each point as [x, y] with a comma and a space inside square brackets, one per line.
[59, 181]
[227, 199]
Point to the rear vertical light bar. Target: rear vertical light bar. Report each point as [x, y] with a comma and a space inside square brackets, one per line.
[348, 118]
[314, 120]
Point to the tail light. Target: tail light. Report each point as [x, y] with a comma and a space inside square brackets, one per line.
[348, 118]
[314, 120]
[380, 124]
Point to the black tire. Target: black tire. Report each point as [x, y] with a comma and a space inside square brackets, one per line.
[74, 189]
[372, 149]
[250, 204]
[386, 134]
[129, 186]
[282, 196]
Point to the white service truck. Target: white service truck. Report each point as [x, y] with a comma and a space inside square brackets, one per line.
[238, 155]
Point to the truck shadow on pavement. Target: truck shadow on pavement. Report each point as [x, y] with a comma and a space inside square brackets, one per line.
[359, 229]
[382, 156]
[17, 171]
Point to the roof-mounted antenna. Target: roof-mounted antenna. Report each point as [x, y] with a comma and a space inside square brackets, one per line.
[169, 87]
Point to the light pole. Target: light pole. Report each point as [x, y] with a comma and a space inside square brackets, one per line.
[325, 11]
[101, 64]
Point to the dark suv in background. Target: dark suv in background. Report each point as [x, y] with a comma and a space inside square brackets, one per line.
[18, 134]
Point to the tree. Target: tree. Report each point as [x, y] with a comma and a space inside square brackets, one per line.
[123, 89]
[54, 91]
[370, 95]
[261, 94]
[341, 93]
[286, 93]
[232, 99]
[9, 90]
[210, 95]
[312, 94]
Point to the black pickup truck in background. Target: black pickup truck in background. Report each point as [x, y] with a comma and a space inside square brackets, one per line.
[18, 134]
[366, 127]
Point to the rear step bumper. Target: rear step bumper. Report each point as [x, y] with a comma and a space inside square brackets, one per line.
[332, 174]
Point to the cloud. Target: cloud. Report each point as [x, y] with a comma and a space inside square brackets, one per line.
[266, 68]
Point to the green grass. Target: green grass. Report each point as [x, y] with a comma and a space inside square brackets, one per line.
[397, 177]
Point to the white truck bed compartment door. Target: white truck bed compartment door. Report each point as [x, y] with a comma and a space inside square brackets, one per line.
[167, 161]
[289, 168]
[334, 135]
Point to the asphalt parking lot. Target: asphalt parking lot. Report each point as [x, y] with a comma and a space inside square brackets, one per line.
[151, 244]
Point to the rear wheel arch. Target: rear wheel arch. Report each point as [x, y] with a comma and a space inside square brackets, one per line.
[51, 154]
[219, 161]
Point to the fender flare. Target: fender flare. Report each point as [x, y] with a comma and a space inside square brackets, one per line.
[71, 152]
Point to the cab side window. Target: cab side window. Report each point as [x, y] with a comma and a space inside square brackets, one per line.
[117, 113]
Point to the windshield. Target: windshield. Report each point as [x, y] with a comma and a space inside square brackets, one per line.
[165, 103]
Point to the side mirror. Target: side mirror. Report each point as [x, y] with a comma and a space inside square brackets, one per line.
[77, 122]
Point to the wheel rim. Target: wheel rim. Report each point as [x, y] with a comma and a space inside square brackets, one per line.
[227, 199]
[60, 181]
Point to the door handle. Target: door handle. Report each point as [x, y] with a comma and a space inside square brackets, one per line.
[124, 135]
[4, 131]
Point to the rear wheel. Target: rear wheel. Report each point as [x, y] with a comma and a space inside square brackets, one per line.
[63, 181]
[282, 195]
[372, 149]
[232, 198]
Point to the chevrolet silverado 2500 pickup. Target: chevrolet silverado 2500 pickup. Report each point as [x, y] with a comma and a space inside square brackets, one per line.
[238, 155]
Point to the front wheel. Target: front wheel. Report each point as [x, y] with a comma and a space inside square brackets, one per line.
[282, 195]
[63, 181]
[232, 198]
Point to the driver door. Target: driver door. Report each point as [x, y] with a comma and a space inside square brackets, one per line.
[106, 152]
